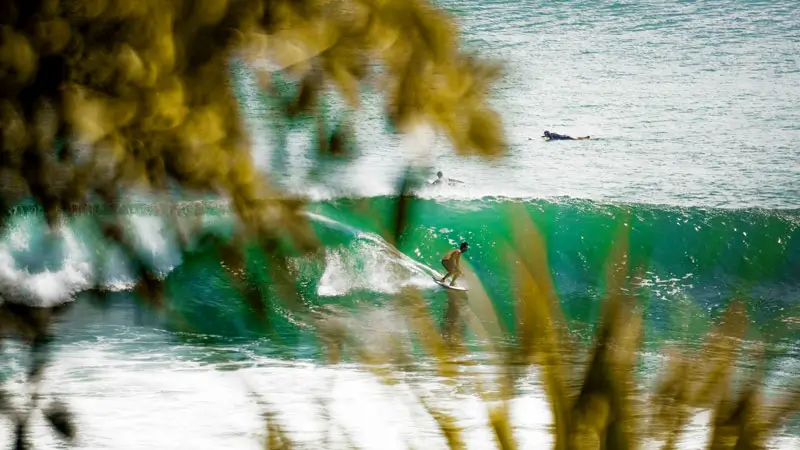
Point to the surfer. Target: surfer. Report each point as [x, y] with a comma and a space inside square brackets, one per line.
[452, 263]
[548, 136]
[441, 179]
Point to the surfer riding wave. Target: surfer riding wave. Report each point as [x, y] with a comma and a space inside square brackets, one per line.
[452, 263]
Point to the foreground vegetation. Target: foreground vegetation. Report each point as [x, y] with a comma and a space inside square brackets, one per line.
[98, 97]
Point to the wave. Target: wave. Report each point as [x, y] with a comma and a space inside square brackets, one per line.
[710, 252]
[695, 258]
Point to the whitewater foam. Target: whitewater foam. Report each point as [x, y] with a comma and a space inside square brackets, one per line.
[48, 287]
[67, 258]
[368, 263]
[366, 266]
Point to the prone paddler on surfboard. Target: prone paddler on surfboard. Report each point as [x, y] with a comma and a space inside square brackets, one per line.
[452, 263]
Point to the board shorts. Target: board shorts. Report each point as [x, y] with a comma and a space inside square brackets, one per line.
[449, 265]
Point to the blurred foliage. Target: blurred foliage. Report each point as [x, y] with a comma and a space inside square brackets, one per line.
[103, 95]
[98, 97]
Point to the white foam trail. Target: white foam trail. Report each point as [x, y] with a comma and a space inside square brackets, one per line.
[375, 239]
[370, 263]
[366, 266]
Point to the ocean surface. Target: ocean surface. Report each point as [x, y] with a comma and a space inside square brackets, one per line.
[692, 108]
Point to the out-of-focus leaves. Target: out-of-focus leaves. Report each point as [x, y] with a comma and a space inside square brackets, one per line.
[31, 324]
[137, 94]
[602, 407]
[59, 417]
[403, 208]
[447, 425]
[276, 436]
[5, 404]
[500, 421]
[307, 95]
[712, 379]
[40, 355]
[21, 440]
[428, 336]
[669, 404]
[540, 327]
[341, 139]
[149, 285]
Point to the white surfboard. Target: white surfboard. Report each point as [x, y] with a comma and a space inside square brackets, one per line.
[447, 286]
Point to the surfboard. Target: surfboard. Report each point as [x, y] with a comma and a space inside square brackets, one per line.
[447, 286]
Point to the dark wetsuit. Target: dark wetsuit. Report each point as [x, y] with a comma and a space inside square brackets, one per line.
[560, 137]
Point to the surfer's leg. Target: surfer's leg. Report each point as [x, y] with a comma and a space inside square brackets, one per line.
[448, 267]
[456, 274]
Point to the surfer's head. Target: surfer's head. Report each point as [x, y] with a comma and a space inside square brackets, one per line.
[546, 133]
[439, 174]
[464, 247]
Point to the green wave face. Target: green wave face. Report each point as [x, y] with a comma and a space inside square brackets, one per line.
[686, 263]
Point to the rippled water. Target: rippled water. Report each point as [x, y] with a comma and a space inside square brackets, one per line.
[688, 103]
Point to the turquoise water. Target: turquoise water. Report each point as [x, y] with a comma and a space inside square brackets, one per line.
[692, 109]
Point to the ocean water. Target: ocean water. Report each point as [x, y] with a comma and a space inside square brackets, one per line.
[692, 109]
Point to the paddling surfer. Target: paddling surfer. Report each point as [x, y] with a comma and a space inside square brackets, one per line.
[452, 263]
[548, 136]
